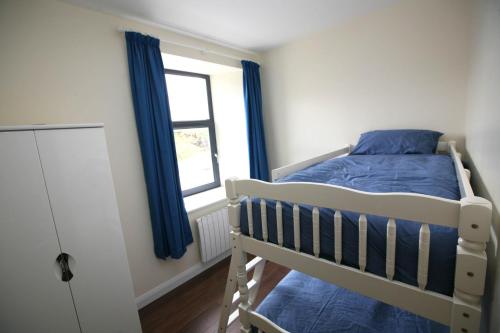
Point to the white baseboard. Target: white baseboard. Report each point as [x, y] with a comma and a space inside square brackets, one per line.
[169, 285]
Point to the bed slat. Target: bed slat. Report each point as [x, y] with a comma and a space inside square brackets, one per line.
[424, 243]
[362, 226]
[279, 223]
[250, 216]
[338, 236]
[263, 219]
[296, 227]
[315, 218]
[390, 253]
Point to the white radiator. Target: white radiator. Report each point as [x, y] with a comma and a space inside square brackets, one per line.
[214, 231]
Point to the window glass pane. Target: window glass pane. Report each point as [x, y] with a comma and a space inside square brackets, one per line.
[187, 97]
[194, 157]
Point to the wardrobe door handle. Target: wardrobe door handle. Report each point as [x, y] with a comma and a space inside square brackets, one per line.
[63, 261]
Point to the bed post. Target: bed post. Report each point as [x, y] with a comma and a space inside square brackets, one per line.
[237, 269]
[470, 271]
[233, 210]
[238, 256]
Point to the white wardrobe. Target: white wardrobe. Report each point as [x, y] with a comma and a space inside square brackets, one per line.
[63, 266]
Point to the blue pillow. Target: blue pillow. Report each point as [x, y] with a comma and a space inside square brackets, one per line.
[394, 142]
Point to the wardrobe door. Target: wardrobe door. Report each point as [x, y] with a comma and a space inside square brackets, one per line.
[32, 296]
[80, 187]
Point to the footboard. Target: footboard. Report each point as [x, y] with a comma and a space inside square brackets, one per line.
[471, 215]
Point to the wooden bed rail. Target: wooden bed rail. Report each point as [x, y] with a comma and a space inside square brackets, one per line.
[407, 206]
[463, 175]
[288, 169]
[471, 216]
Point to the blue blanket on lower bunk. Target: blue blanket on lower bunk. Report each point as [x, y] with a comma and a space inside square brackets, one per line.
[321, 307]
[426, 174]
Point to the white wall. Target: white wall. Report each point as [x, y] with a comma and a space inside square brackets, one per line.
[404, 66]
[230, 124]
[64, 64]
[483, 134]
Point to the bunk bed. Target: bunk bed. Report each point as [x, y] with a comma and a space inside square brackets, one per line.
[400, 233]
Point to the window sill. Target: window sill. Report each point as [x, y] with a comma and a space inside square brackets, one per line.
[202, 203]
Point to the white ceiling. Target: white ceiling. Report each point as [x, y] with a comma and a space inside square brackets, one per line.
[250, 24]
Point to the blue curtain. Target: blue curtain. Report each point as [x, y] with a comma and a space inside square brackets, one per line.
[255, 125]
[171, 231]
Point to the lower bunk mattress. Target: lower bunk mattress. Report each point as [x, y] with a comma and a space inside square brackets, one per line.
[303, 304]
[425, 174]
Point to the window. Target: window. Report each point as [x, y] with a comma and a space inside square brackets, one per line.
[190, 100]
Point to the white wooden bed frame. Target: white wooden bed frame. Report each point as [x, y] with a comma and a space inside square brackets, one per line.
[471, 215]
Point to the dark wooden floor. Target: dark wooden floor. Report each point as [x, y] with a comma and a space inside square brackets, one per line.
[195, 306]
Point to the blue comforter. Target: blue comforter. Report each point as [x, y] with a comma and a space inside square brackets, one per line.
[425, 174]
[321, 307]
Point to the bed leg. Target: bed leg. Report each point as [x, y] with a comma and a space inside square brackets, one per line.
[244, 306]
[239, 255]
[229, 292]
[470, 271]
[238, 258]
[257, 277]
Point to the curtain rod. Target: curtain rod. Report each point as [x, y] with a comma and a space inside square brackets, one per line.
[200, 49]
